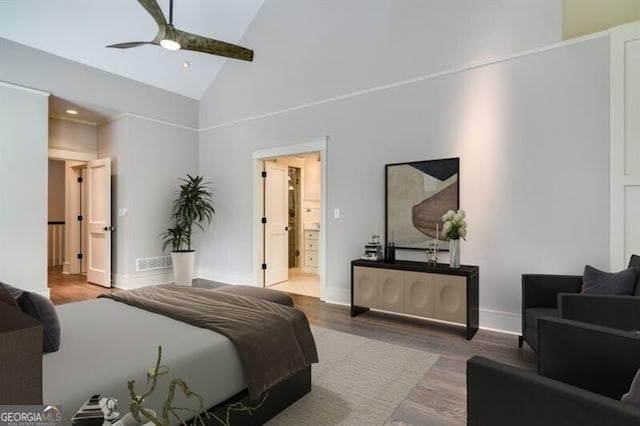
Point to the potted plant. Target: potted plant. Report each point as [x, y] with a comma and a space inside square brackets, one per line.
[192, 207]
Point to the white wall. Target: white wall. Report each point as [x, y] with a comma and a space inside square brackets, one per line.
[148, 158]
[309, 50]
[79, 83]
[23, 188]
[531, 132]
[73, 136]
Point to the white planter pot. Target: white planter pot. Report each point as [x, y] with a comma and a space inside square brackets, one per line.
[183, 263]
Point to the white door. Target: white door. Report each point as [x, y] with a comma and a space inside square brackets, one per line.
[276, 247]
[99, 222]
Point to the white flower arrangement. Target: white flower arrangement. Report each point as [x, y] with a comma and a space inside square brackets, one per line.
[455, 227]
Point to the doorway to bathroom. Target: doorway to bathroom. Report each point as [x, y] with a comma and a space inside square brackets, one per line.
[292, 189]
[289, 196]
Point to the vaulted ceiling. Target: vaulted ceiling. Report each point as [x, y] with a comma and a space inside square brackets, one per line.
[79, 30]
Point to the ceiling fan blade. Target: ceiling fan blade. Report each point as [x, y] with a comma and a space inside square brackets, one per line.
[198, 43]
[130, 44]
[154, 10]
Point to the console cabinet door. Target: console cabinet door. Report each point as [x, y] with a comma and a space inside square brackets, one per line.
[365, 287]
[450, 294]
[391, 290]
[418, 294]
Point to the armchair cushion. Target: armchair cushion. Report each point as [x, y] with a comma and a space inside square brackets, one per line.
[595, 281]
[534, 314]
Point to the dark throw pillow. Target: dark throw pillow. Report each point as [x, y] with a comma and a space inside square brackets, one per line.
[633, 396]
[7, 297]
[595, 281]
[41, 308]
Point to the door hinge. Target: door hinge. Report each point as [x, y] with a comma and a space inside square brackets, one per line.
[264, 266]
[79, 255]
[264, 174]
[80, 218]
[79, 179]
[264, 220]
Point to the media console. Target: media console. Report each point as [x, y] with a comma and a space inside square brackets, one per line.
[415, 288]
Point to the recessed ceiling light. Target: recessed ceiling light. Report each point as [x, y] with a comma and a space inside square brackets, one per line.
[186, 64]
[72, 112]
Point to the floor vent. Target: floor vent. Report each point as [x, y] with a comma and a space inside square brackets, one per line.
[153, 263]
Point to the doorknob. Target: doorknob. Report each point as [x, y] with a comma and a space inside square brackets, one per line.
[109, 228]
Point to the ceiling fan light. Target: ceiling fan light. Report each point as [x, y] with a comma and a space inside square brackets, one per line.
[170, 44]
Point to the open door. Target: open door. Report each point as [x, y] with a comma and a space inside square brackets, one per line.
[99, 222]
[276, 245]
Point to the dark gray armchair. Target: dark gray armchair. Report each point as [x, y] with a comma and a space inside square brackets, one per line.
[558, 296]
[583, 372]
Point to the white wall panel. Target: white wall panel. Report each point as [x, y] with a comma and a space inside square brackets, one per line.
[624, 143]
[631, 221]
[23, 188]
[632, 107]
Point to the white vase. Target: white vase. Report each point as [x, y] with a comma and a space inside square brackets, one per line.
[183, 262]
[454, 253]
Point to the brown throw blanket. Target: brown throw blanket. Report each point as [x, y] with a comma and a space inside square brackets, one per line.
[274, 341]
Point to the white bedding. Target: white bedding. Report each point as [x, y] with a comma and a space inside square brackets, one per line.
[106, 343]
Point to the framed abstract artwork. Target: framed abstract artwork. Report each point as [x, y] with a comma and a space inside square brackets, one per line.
[417, 195]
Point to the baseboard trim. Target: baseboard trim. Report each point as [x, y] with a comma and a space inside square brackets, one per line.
[337, 296]
[504, 322]
[130, 282]
[226, 277]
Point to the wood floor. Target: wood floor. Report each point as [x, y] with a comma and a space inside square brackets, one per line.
[440, 396]
[67, 288]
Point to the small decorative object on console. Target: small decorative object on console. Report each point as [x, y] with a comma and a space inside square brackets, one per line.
[90, 413]
[390, 255]
[373, 249]
[432, 250]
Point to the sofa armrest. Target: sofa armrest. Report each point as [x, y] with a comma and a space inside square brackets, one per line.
[501, 395]
[621, 312]
[595, 358]
[541, 290]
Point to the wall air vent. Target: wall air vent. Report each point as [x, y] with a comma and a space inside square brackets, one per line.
[153, 263]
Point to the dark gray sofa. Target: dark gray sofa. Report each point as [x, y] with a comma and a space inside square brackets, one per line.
[558, 296]
[583, 371]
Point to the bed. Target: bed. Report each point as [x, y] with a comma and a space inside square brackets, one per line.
[107, 342]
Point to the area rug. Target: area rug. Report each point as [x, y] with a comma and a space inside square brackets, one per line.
[358, 381]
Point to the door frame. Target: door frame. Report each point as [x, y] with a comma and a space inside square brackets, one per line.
[260, 155]
[74, 160]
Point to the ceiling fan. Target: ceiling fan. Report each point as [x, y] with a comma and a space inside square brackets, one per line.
[172, 38]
